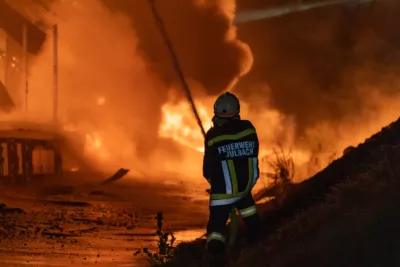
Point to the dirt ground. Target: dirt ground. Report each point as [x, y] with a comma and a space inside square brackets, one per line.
[60, 224]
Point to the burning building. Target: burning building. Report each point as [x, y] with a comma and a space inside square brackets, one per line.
[25, 151]
[20, 39]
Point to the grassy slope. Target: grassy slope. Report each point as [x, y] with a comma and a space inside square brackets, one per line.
[346, 215]
[357, 224]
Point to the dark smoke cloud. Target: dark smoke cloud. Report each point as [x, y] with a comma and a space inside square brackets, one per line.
[259, 4]
[198, 38]
[316, 61]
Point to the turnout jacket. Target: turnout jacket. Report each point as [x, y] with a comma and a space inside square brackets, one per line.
[231, 161]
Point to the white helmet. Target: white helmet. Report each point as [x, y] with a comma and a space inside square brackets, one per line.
[227, 105]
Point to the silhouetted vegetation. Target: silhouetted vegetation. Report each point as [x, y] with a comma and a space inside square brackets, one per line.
[165, 245]
[282, 166]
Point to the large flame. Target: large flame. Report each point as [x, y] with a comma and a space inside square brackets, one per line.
[178, 124]
[110, 94]
[275, 129]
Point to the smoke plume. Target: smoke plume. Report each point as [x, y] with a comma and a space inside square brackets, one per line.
[334, 69]
[115, 73]
[319, 80]
[202, 35]
[107, 89]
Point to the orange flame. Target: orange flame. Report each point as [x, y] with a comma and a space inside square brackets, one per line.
[92, 65]
[94, 146]
[179, 124]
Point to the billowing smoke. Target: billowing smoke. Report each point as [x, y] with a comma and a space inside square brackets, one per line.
[334, 69]
[320, 81]
[202, 35]
[107, 89]
[313, 65]
[115, 73]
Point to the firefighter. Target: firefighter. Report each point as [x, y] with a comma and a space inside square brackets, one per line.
[231, 167]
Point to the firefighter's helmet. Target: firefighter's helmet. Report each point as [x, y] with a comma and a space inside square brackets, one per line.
[227, 105]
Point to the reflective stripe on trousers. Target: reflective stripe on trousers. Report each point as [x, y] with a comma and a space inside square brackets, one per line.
[216, 236]
[247, 212]
[232, 197]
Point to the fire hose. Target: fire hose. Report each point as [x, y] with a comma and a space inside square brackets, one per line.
[160, 25]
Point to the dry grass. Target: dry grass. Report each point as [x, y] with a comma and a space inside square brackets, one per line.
[277, 173]
[277, 168]
[282, 166]
[357, 225]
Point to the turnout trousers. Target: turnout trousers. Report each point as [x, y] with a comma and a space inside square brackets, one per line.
[219, 215]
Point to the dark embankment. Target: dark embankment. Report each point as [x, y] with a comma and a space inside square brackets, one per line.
[343, 216]
[313, 190]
